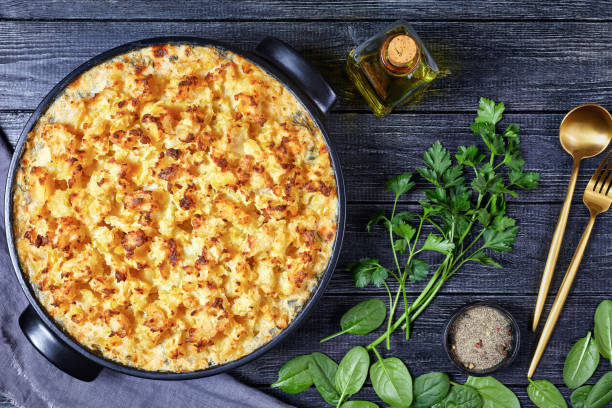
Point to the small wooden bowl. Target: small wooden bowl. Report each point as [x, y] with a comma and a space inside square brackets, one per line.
[509, 359]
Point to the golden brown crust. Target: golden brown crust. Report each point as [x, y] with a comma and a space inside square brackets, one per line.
[174, 208]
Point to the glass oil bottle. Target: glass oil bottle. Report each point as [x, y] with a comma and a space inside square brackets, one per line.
[391, 67]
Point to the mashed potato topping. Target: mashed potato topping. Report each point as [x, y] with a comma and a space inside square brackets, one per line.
[174, 208]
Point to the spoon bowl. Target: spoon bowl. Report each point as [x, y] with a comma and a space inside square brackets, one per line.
[586, 131]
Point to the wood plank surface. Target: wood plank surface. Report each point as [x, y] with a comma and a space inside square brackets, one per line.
[542, 59]
[307, 10]
[535, 66]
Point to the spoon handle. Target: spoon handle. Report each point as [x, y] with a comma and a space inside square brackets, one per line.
[564, 290]
[555, 246]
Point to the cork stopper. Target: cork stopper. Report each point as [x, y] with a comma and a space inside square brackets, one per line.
[402, 50]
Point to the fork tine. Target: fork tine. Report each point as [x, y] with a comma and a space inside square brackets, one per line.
[602, 183]
[606, 190]
[595, 177]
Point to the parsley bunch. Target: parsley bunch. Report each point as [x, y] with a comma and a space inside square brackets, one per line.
[466, 207]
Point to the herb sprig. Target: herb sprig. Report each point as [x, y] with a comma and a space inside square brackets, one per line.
[469, 218]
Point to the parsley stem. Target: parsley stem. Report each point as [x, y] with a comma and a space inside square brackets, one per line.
[431, 297]
[392, 306]
[432, 222]
[399, 270]
[469, 228]
[377, 354]
[391, 311]
[417, 302]
[388, 292]
[405, 275]
[469, 246]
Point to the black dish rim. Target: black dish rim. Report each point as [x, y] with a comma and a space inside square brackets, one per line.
[506, 361]
[16, 159]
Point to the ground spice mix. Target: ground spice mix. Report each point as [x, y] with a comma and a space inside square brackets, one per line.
[481, 338]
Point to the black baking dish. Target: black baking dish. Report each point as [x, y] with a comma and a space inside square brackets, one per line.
[278, 60]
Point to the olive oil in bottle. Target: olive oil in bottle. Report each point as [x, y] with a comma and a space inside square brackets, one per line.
[391, 67]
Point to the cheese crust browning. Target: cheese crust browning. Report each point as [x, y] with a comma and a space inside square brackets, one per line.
[174, 208]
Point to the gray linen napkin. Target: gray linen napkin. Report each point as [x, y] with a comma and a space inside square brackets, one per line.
[28, 380]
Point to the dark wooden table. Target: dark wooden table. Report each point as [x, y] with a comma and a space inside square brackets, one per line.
[541, 59]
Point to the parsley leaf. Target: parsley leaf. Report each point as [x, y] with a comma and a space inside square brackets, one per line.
[526, 181]
[486, 181]
[404, 230]
[438, 244]
[403, 216]
[400, 245]
[378, 217]
[366, 271]
[469, 156]
[379, 275]
[512, 130]
[452, 177]
[400, 184]
[501, 223]
[484, 259]
[494, 142]
[500, 241]
[362, 271]
[417, 270]
[484, 217]
[514, 160]
[437, 159]
[489, 112]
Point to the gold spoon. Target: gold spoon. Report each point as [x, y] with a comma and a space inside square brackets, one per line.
[584, 132]
[598, 198]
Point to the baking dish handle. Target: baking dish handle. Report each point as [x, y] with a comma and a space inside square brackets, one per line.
[55, 349]
[292, 64]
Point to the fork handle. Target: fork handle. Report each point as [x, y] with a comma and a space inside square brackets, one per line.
[564, 290]
[555, 246]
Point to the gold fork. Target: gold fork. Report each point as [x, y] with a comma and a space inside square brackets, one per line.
[597, 197]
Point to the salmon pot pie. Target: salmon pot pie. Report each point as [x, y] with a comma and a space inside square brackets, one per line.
[174, 208]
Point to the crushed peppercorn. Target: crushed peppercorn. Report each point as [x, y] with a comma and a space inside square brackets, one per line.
[481, 338]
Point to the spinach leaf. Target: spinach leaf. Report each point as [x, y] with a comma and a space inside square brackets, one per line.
[603, 328]
[323, 372]
[359, 404]
[362, 318]
[544, 394]
[392, 382]
[581, 362]
[461, 396]
[294, 377]
[352, 372]
[429, 389]
[579, 396]
[494, 394]
[601, 393]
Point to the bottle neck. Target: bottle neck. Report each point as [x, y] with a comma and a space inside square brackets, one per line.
[400, 54]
